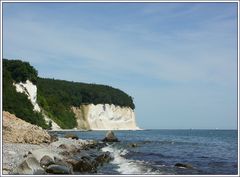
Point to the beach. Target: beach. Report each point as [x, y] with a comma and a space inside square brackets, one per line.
[65, 154]
[29, 150]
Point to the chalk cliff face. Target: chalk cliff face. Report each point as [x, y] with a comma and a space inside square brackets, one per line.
[105, 117]
[89, 117]
[30, 90]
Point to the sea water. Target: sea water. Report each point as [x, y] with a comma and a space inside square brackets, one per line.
[213, 152]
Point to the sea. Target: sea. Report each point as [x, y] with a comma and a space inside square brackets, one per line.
[156, 152]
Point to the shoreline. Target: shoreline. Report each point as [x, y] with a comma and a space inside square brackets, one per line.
[26, 159]
[30, 150]
[76, 130]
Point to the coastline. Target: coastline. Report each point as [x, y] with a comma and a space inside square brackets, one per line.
[30, 150]
[89, 130]
[63, 154]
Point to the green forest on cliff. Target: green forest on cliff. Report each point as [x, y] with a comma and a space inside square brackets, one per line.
[55, 97]
[15, 102]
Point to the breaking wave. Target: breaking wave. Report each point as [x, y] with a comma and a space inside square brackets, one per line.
[127, 166]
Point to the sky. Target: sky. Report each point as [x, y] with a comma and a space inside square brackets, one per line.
[177, 60]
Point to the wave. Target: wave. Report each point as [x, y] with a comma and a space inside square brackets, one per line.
[126, 166]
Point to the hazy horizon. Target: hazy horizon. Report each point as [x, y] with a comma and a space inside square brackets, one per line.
[177, 60]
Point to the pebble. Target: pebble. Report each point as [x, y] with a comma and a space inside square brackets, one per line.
[15, 153]
[11, 160]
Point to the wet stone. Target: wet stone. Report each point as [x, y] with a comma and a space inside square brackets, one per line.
[58, 169]
[110, 137]
[71, 135]
[182, 165]
[46, 161]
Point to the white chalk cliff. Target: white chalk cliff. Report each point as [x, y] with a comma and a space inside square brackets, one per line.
[30, 90]
[90, 117]
[105, 117]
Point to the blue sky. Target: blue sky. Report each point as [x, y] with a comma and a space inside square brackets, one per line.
[178, 60]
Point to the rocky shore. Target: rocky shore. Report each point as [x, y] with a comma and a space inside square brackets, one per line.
[65, 156]
[16, 130]
[45, 154]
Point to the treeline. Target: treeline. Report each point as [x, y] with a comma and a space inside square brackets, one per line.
[56, 97]
[15, 102]
[20, 71]
[75, 93]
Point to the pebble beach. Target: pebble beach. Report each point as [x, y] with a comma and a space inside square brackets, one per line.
[42, 153]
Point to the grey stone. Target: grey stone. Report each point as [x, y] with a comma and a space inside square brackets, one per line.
[110, 137]
[71, 135]
[29, 166]
[182, 165]
[46, 161]
[58, 169]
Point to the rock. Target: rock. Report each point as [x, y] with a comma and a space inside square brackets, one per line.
[63, 146]
[65, 153]
[133, 145]
[73, 162]
[90, 146]
[63, 162]
[110, 137]
[29, 166]
[16, 130]
[182, 165]
[71, 135]
[84, 165]
[73, 148]
[46, 161]
[58, 169]
[103, 158]
[40, 153]
[68, 149]
[53, 138]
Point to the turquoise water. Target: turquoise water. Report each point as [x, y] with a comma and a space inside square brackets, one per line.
[207, 151]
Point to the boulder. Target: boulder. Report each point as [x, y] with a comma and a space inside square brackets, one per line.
[46, 161]
[58, 169]
[65, 153]
[73, 148]
[63, 146]
[40, 153]
[133, 145]
[67, 150]
[73, 162]
[105, 157]
[110, 137]
[71, 136]
[30, 166]
[84, 164]
[182, 165]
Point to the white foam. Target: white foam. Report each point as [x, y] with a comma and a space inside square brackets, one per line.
[126, 166]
